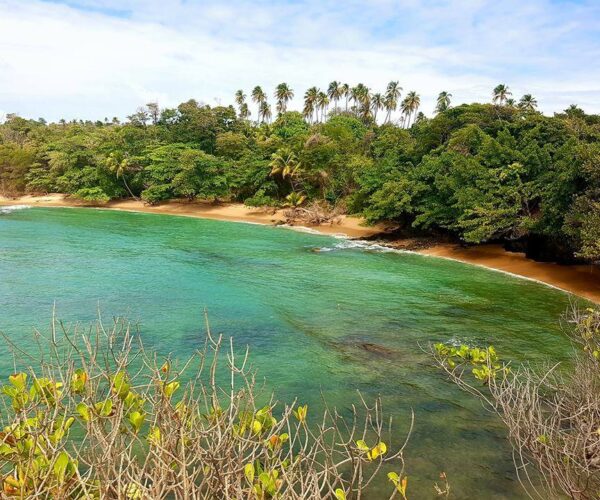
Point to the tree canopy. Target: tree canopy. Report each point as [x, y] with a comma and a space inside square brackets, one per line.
[480, 172]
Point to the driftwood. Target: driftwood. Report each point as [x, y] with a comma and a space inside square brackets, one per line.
[316, 213]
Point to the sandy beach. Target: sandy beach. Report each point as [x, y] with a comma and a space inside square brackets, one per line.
[582, 280]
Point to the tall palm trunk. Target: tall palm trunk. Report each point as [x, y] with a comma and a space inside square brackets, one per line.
[127, 187]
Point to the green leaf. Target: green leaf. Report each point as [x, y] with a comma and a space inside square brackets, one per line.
[340, 494]
[19, 381]
[78, 381]
[171, 387]
[83, 411]
[60, 466]
[6, 450]
[104, 408]
[249, 472]
[154, 436]
[362, 446]
[121, 384]
[137, 420]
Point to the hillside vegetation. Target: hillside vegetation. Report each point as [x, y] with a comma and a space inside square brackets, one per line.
[480, 172]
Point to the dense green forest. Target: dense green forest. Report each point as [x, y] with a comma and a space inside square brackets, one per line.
[480, 172]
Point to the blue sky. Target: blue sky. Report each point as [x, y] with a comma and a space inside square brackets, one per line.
[97, 58]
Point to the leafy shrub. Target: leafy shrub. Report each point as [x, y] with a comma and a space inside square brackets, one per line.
[260, 199]
[157, 193]
[552, 414]
[93, 195]
[99, 417]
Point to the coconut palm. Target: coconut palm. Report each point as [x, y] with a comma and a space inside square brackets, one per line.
[240, 97]
[308, 110]
[405, 110]
[264, 112]
[500, 94]
[322, 104]
[510, 102]
[443, 101]
[410, 105]
[283, 94]
[362, 100]
[334, 92]
[392, 95]
[377, 103]
[240, 100]
[259, 97]
[244, 111]
[528, 103]
[121, 165]
[285, 163]
[295, 199]
[310, 103]
[345, 92]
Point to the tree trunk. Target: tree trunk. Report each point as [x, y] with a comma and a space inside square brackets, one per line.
[129, 190]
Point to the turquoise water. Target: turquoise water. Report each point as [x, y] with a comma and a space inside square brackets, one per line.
[306, 316]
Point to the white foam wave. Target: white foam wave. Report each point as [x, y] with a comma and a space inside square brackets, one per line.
[357, 245]
[12, 208]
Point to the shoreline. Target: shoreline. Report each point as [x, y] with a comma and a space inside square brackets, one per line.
[580, 280]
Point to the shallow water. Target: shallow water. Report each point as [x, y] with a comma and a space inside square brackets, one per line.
[306, 316]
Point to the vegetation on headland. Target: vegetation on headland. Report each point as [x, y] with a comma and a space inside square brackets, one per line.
[481, 172]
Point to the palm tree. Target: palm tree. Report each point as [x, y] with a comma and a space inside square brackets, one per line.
[310, 102]
[259, 97]
[528, 103]
[500, 94]
[510, 102]
[345, 92]
[283, 94]
[244, 111]
[264, 111]
[377, 103]
[355, 95]
[120, 166]
[362, 100]
[322, 104]
[410, 105]
[405, 109]
[240, 100]
[286, 164]
[392, 94]
[443, 101]
[334, 92]
[294, 199]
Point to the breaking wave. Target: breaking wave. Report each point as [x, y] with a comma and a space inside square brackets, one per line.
[357, 245]
[12, 208]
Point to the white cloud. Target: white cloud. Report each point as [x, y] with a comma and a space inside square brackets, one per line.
[59, 61]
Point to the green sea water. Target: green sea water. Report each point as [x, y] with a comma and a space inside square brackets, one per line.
[306, 316]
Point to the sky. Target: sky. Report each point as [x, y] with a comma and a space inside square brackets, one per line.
[92, 59]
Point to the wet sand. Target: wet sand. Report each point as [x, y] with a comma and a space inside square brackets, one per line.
[582, 280]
